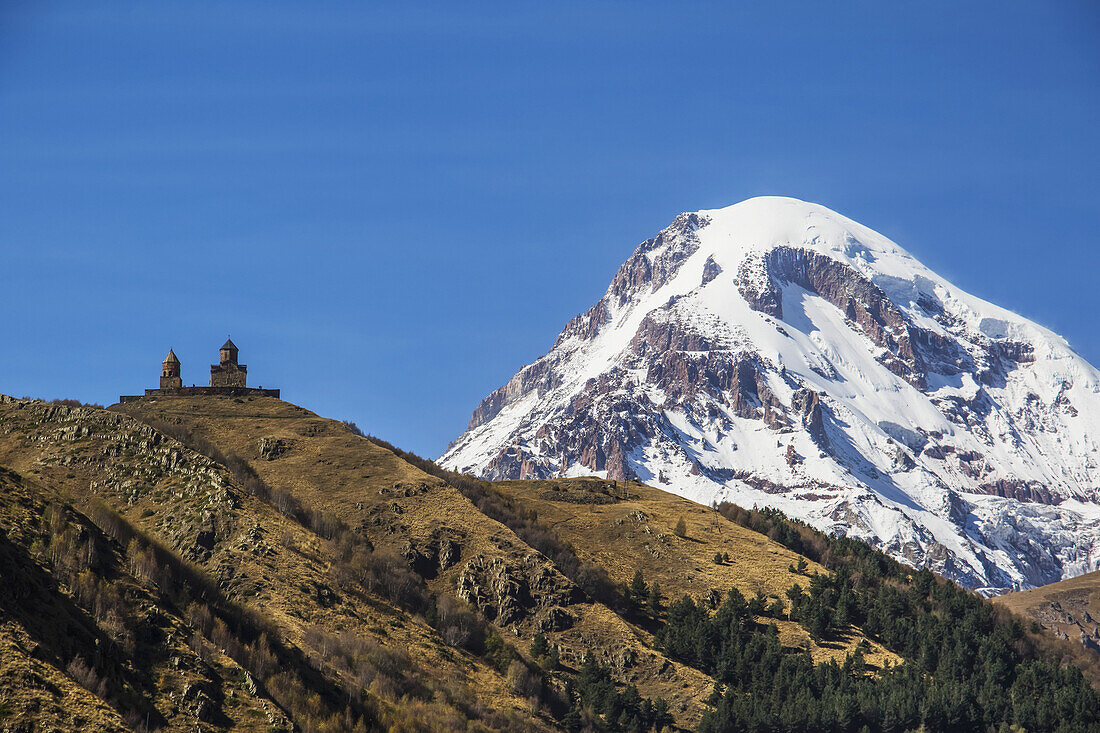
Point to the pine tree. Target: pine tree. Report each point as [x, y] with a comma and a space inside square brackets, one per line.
[539, 647]
[681, 528]
[573, 720]
[653, 603]
[553, 661]
[638, 591]
[661, 716]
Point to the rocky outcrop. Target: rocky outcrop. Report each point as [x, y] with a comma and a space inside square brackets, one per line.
[684, 362]
[442, 550]
[711, 270]
[586, 325]
[1028, 491]
[656, 260]
[555, 618]
[806, 405]
[864, 303]
[272, 448]
[510, 593]
[538, 376]
[129, 462]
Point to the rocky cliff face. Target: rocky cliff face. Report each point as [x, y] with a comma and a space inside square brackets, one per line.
[776, 353]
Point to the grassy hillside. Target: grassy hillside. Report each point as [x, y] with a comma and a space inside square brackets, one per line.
[328, 645]
[1069, 611]
[87, 641]
[630, 528]
[337, 475]
[939, 657]
[247, 564]
[965, 665]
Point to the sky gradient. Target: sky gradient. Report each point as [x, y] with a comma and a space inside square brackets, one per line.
[393, 207]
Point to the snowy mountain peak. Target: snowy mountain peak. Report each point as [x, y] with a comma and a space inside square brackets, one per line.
[776, 353]
[767, 221]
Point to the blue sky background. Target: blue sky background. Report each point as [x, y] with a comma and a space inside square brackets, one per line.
[392, 207]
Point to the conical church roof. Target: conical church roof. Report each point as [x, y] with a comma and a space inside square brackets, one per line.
[171, 358]
[230, 345]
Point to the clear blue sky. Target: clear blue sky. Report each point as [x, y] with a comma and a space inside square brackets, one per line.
[393, 207]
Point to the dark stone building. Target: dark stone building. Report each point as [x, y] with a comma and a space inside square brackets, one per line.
[228, 373]
[226, 378]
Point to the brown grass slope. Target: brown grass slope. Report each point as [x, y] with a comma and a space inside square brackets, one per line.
[628, 527]
[413, 514]
[1068, 613]
[407, 512]
[78, 629]
[327, 643]
[297, 565]
[39, 696]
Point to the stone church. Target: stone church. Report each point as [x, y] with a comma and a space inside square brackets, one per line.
[227, 377]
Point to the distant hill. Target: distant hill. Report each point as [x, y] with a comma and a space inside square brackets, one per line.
[227, 563]
[1068, 610]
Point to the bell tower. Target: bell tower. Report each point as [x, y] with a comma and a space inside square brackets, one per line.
[228, 373]
[228, 353]
[170, 372]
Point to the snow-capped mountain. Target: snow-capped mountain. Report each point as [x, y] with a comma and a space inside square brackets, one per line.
[775, 353]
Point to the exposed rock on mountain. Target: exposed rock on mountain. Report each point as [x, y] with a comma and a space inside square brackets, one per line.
[776, 353]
